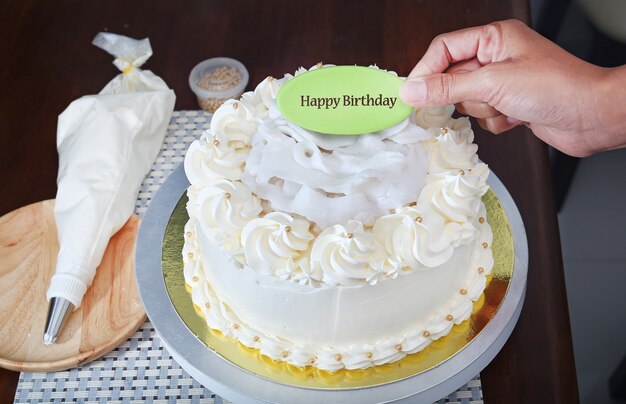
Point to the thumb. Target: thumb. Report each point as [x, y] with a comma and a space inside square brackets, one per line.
[437, 90]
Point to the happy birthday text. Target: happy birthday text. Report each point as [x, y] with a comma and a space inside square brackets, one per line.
[347, 101]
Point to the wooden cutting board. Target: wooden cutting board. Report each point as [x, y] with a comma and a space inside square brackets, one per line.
[111, 310]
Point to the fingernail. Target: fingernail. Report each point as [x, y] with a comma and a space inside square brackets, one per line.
[512, 121]
[413, 91]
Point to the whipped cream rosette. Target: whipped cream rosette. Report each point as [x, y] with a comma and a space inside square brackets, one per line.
[225, 208]
[417, 240]
[439, 117]
[306, 244]
[452, 151]
[276, 243]
[345, 254]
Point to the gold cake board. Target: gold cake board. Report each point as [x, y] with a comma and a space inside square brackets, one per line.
[223, 365]
[253, 361]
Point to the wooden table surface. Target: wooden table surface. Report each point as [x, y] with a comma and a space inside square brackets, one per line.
[48, 61]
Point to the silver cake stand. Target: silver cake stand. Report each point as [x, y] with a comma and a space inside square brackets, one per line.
[241, 386]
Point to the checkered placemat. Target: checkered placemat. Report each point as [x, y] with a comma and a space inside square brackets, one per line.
[141, 370]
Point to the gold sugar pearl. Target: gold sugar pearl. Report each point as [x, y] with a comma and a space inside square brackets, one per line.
[227, 195]
[195, 279]
[319, 64]
[235, 105]
[349, 235]
[481, 220]
[216, 142]
[485, 245]
[338, 357]
[461, 172]
[399, 347]
[190, 255]
[419, 219]
[369, 355]
[449, 317]
[481, 270]
[426, 334]
[256, 338]
[270, 78]
[311, 360]
[444, 130]
[287, 229]
[236, 326]
[207, 305]
[463, 291]
[188, 234]
[284, 354]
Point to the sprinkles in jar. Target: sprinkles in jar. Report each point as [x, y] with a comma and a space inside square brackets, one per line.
[216, 80]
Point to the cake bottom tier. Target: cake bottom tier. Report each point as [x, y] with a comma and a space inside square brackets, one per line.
[352, 327]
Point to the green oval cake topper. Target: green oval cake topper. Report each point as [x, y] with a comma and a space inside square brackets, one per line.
[343, 100]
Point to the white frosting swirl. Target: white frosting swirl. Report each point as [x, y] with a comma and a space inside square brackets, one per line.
[457, 196]
[307, 274]
[210, 159]
[452, 151]
[192, 204]
[332, 179]
[267, 91]
[434, 117]
[463, 126]
[343, 254]
[254, 104]
[233, 121]
[460, 233]
[275, 243]
[224, 208]
[417, 240]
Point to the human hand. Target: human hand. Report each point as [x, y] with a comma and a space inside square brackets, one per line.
[505, 74]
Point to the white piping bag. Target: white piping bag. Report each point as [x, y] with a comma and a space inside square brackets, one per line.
[107, 144]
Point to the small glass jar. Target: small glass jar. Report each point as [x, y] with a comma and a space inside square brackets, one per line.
[216, 80]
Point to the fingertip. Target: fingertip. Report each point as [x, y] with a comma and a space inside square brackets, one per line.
[513, 121]
[482, 122]
[477, 109]
[499, 124]
[413, 91]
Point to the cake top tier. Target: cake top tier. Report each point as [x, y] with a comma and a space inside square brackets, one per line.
[332, 179]
[320, 209]
[326, 179]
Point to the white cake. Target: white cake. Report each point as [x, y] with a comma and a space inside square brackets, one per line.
[334, 251]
